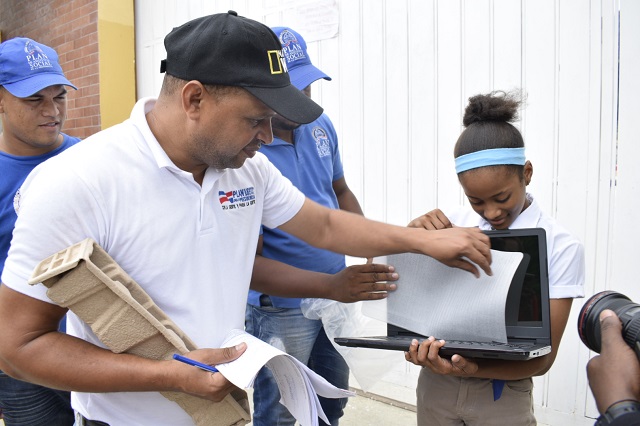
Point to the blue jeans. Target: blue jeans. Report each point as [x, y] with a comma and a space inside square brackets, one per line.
[26, 404]
[305, 339]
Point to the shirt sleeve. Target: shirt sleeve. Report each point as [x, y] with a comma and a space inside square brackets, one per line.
[282, 200]
[566, 268]
[45, 225]
[338, 170]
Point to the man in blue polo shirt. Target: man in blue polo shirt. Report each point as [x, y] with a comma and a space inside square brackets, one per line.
[33, 108]
[308, 155]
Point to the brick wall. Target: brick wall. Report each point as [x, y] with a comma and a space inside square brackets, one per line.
[71, 28]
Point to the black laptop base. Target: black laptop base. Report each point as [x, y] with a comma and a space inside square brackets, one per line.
[491, 350]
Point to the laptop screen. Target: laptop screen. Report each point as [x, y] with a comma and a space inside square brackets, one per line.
[530, 317]
[527, 306]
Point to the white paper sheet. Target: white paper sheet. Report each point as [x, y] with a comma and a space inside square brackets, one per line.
[299, 386]
[433, 299]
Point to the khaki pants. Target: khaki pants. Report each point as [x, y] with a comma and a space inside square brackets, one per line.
[449, 401]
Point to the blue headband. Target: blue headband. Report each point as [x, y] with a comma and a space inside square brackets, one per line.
[490, 157]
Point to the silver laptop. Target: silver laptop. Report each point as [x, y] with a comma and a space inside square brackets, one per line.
[527, 317]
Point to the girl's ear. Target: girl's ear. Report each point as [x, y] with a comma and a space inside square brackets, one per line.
[528, 172]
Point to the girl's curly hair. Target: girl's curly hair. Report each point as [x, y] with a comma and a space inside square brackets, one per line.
[487, 119]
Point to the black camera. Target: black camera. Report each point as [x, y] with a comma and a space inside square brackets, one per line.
[627, 311]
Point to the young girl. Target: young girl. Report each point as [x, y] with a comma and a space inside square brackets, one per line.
[494, 173]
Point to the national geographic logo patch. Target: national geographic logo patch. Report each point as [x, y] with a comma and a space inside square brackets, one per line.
[277, 62]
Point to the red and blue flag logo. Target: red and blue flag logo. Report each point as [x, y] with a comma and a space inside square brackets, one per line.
[225, 197]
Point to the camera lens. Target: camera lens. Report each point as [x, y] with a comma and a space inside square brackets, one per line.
[589, 318]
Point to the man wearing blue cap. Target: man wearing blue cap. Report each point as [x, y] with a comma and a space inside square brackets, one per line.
[33, 108]
[308, 155]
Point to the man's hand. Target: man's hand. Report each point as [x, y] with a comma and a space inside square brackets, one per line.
[433, 220]
[614, 375]
[453, 253]
[363, 282]
[427, 355]
[459, 247]
[200, 383]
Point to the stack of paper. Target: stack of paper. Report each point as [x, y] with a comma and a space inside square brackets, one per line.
[299, 386]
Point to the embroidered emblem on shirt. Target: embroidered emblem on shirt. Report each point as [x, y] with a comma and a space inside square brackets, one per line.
[322, 142]
[237, 198]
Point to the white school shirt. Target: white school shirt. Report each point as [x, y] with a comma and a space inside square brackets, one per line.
[565, 252]
[190, 247]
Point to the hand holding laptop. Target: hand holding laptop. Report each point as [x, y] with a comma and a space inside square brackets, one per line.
[427, 354]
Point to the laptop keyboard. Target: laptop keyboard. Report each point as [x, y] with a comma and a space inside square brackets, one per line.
[489, 344]
[462, 343]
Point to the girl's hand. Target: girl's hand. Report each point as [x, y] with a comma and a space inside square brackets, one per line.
[426, 355]
[433, 220]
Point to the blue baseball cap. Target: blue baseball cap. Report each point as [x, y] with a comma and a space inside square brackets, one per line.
[301, 71]
[26, 67]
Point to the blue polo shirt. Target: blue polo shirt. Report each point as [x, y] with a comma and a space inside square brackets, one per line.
[312, 163]
[14, 171]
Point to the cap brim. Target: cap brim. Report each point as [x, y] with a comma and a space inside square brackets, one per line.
[303, 76]
[29, 86]
[289, 102]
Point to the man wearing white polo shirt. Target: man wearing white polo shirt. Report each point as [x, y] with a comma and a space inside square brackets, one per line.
[176, 196]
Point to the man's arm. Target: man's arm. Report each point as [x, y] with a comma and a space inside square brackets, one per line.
[346, 199]
[351, 234]
[32, 349]
[357, 282]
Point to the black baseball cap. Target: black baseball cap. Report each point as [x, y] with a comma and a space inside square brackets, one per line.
[231, 50]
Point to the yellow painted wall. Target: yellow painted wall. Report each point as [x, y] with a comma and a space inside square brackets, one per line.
[116, 39]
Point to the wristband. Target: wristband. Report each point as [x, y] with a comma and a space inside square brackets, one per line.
[617, 410]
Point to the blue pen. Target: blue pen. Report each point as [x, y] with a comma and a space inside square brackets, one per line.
[195, 363]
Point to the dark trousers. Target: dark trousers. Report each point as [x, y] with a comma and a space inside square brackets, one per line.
[26, 404]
